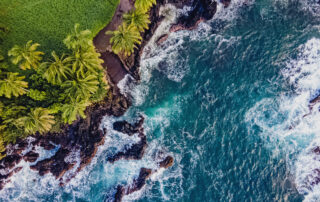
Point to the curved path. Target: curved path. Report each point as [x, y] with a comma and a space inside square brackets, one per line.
[115, 68]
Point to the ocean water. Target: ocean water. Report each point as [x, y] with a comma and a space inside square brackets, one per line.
[227, 101]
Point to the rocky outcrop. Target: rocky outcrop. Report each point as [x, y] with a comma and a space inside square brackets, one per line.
[137, 184]
[31, 156]
[201, 10]
[136, 151]
[167, 162]
[162, 39]
[140, 181]
[84, 135]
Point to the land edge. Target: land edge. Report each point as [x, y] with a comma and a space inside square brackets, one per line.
[85, 135]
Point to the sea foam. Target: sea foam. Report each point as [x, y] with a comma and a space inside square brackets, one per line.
[286, 123]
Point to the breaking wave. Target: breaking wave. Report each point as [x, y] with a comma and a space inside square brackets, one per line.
[289, 124]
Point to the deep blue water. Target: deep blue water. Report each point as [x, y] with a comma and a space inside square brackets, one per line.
[226, 101]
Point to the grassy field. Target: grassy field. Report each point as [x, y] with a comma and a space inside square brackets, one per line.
[48, 22]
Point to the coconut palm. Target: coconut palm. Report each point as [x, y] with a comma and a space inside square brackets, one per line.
[78, 39]
[26, 56]
[86, 61]
[72, 110]
[144, 5]
[58, 69]
[137, 18]
[13, 84]
[81, 87]
[38, 120]
[124, 39]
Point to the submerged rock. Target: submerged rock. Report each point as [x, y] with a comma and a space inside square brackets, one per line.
[201, 10]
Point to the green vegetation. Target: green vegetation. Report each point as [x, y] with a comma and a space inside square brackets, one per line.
[144, 5]
[58, 92]
[38, 120]
[49, 22]
[128, 36]
[124, 39]
[43, 87]
[138, 19]
[12, 84]
[27, 56]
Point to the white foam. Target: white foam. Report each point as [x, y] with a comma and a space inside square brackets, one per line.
[282, 123]
[232, 11]
[311, 6]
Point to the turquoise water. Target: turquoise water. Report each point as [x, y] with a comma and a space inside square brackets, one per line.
[227, 102]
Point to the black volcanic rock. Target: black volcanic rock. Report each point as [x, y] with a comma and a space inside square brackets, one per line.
[56, 164]
[201, 10]
[136, 151]
[137, 184]
[124, 127]
[31, 156]
[167, 162]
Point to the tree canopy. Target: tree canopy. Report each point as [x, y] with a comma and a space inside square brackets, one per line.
[52, 92]
[124, 39]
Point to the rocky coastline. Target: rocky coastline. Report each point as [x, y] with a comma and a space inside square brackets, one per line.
[85, 135]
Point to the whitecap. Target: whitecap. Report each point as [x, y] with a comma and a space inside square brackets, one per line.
[288, 125]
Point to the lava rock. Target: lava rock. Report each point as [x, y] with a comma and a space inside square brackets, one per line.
[137, 184]
[124, 127]
[31, 156]
[167, 162]
[162, 39]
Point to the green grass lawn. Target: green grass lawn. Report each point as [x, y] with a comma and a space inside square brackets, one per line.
[48, 22]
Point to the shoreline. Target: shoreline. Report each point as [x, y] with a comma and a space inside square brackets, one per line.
[85, 135]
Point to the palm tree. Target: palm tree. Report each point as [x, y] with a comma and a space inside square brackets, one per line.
[144, 5]
[13, 85]
[86, 61]
[81, 87]
[38, 120]
[72, 110]
[124, 39]
[78, 39]
[58, 69]
[27, 56]
[137, 18]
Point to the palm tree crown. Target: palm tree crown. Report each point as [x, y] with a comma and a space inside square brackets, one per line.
[137, 18]
[86, 61]
[13, 84]
[78, 39]
[26, 56]
[71, 110]
[125, 39]
[38, 120]
[81, 87]
[58, 69]
[144, 5]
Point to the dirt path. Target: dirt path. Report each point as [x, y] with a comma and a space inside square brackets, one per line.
[115, 68]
